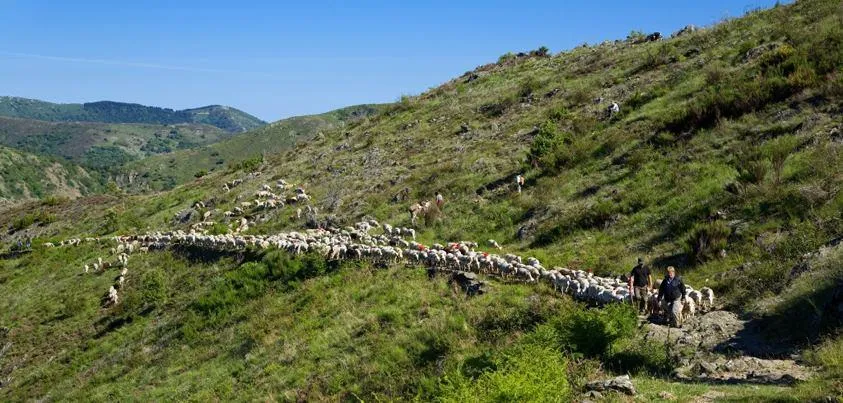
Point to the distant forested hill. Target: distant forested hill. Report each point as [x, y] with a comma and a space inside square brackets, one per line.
[229, 119]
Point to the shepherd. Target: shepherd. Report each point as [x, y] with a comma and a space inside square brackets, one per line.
[672, 292]
[519, 181]
[640, 283]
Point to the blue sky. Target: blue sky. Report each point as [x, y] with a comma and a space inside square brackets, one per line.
[280, 59]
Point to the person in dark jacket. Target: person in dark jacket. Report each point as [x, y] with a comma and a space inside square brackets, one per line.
[640, 284]
[672, 292]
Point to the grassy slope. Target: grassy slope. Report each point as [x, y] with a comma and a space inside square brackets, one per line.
[28, 176]
[164, 171]
[695, 117]
[223, 117]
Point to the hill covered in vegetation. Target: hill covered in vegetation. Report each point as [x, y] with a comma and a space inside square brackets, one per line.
[722, 159]
[29, 176]
[104, 146]
[226, 118]
[168, 170]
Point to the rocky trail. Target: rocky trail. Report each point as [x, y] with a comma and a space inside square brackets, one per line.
[720, 347]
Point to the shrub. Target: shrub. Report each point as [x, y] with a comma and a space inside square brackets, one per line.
[706, 240]
[777, 151]
[218, 229]
[525, 373]
[249, 164]
[542, 51]
[599, 215]
[152, 288]
[529, 86]
[552, 148]
[247, 281]
[637, 356]
[54, 200]
[27, 220]
[200, 173]
[592, 333]
[281, 266]
[752, 171]
[506, 57]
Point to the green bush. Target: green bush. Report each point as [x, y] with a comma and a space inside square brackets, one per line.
[506, 57]
[706, 240]
[54, 200]
[527, 373]
[153, 288]
[551, 148]
[247, 281]
[249, 164]
[636, 356]
[218, 229]
[593, 332]
[42, 217]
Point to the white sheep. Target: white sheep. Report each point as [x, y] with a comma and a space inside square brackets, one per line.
[688, 308]
[707, 300]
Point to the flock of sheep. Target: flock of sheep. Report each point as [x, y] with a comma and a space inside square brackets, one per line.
[385, 244]
[264, 199]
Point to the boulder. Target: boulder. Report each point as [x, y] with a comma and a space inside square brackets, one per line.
[688, 29]
[620, 384]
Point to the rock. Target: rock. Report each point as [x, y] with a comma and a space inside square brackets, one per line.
[527, 133]
[686, 30]
[758, 51]
[707, 368]
[525, 232]
[185, 215]
[593, 394]
[667, 395]
[692, 52]
[620, 384]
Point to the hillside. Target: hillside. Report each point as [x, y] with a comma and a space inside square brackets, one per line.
[226, 118]
[723, 160]
[27, 176]
[167, 170]
[100, 145]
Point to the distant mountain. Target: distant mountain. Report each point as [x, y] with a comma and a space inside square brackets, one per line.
[104, 146]
[28, 176]
[226, 118]
[166, 170]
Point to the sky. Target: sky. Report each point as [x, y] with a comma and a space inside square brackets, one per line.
[279, 59]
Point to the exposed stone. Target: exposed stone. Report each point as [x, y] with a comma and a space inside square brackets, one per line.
[620, 384]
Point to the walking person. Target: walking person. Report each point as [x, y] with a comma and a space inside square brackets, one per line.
[672, 292]
[640, 284]
[519, 181]
[440, 200]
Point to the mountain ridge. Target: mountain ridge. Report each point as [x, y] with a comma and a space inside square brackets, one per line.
[226, 118]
